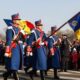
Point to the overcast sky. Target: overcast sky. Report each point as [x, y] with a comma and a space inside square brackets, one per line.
[51, 12]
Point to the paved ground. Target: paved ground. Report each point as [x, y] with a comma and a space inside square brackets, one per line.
[70, 75]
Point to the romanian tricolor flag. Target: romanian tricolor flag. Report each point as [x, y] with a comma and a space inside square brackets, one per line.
[23, 25]
[75, 25]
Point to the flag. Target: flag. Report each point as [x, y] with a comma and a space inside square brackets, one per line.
[75, 22]
[23, 25]
[77, 34]
[8, 22]
[26, 26]
[75, 25]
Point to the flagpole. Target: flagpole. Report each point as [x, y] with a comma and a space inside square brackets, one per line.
[63, 24]
[59, 27]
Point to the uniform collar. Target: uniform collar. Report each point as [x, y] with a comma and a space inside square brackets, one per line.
[39, 29]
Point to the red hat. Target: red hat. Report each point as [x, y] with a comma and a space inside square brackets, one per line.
[38, 23]
[15, 17]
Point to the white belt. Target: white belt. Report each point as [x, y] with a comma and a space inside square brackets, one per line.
[20, 41]
[41, 44]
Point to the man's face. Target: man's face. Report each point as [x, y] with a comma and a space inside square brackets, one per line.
[16, 22]
[40, 27]
[64, 37]
[53, 32]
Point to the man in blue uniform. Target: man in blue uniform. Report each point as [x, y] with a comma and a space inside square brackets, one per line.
[14, 49]
[54, 56]
[36, 43]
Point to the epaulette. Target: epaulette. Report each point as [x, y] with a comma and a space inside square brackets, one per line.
[10, 27]
[50, 37]
[33, 31]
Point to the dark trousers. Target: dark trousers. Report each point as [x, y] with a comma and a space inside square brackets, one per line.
[55, 72]
[9, 72]
[64, 63]
[32, 73]
[42, 75]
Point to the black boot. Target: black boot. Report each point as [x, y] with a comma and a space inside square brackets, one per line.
[31, 75]
[46, 72]
[55, 74]
[15, 75]
[6, 75]
[42, 75]
[26, 70]
[35, 73]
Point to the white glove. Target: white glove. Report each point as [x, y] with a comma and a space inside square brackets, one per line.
[41, 43]
[22, 31]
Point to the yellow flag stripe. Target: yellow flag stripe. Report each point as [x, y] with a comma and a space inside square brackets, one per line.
[77, 34]
[24, 26]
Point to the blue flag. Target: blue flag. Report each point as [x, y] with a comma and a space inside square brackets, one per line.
[8, 22]
[75, 22]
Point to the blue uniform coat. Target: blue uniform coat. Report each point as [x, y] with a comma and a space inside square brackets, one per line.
[39, 54]
[53, 61]
[16, 60]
